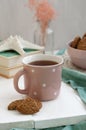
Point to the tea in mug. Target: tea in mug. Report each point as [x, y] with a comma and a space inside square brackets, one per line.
[43, 63]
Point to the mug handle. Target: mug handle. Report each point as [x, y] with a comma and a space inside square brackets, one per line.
[16, 80]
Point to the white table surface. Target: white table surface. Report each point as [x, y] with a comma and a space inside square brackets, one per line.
[65, 110]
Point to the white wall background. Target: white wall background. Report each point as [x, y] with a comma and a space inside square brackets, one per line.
[16, 18]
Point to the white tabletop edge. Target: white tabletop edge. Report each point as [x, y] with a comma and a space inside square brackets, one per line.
[59, 122]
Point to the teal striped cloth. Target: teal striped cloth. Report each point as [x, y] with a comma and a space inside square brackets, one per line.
[77, 81]
[75, 78]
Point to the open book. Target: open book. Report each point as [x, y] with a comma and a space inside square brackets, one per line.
[11, 60]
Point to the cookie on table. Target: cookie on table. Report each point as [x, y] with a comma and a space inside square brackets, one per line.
[14, 104]
[28, 106]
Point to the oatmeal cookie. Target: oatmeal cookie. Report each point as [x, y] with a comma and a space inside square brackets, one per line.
[28, 106]
[14, 104]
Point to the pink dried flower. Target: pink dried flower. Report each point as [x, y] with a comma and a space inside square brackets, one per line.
[43, 10]
[44, 13]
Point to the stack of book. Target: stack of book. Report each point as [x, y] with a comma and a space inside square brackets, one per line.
[11, 60]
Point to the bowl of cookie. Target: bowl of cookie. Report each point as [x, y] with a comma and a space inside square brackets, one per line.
[77, 51]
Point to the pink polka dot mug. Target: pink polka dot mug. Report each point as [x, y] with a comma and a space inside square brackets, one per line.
[42, 76]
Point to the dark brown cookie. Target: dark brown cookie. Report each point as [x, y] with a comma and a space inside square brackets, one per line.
[28, 106]
[82, 44]
[14, 104]
[75, 42]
